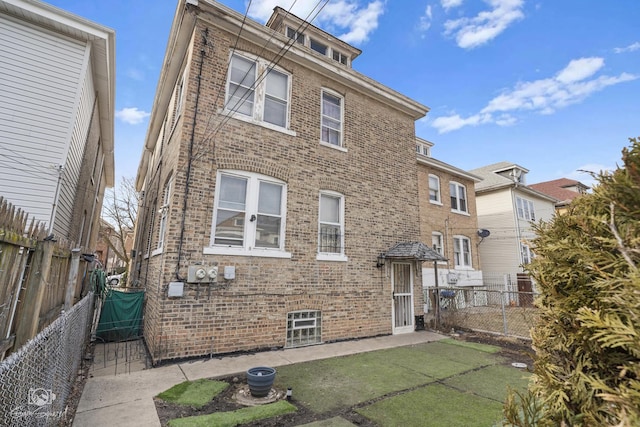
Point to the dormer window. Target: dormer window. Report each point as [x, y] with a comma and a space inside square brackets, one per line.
[422, 149]
[318, 47]
[295, 35]
[340, 57]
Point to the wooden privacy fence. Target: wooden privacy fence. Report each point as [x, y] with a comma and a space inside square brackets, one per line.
[38, 278]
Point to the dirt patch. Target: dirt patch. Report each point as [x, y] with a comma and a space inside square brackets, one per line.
[511, 349]
[78, 386]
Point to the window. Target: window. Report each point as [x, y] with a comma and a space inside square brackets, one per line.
[525, 209]
[331, 124]
[164, 213]
[331, 224]
[246, 85]
[436, 242]
[295, 35]
[340, 57]
[461, 251]
[249, 211]
[304, 328]
[422, 149]
[434, 189]
[318, 47]
[527, 255]
[179, 98]
[458, 194]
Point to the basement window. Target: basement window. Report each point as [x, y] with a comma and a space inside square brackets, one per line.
[304, 328]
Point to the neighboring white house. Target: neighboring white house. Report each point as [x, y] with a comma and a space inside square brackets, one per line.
[507, 207]
[57, 82]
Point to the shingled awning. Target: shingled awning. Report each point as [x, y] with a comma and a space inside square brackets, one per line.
[416, 251]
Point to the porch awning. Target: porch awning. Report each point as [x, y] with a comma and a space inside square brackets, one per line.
[416, 251]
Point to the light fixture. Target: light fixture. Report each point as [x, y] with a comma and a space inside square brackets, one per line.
[380, 261]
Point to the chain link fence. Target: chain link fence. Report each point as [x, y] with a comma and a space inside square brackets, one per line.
[508, 313]
[36, 380]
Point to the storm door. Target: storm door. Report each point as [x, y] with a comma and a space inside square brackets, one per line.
[402, 286]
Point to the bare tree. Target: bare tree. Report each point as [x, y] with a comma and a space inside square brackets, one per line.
[120, 210]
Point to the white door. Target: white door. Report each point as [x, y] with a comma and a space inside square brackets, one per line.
[402, 286]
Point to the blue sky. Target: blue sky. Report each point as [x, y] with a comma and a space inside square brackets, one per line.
[553, 86]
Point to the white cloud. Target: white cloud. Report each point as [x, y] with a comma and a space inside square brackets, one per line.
[349, 18]
[583, 173]
[630, 48]
[450, 4]
[569, 86]
[131, 115]
[425, 20]
[135, 74]
[487, 25]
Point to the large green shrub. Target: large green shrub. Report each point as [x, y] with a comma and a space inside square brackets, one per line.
[587, 341]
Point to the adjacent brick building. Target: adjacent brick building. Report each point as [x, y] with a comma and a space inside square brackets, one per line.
[275, 179]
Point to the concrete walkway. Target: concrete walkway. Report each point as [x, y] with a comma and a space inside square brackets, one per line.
[127, 399]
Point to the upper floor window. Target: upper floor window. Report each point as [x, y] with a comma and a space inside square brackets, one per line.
[249, 211]
[164, 213]
[317, 46]
[331, 121]
[423, 149]
[331, 224]
[295, 35]
[525, 209]
[436, 242]
[461, 251]
[434, 189]
[527, 255]
[339, 56]
[458, 194]
[262, 99]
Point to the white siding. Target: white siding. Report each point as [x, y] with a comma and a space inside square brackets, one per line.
[74, 158]
[39, 80]
[500, 252]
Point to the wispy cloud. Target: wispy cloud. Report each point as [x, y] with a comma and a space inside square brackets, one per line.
[630, 48]
[571, 85]
[352, 19]
[450, 4]
[131, 115]
[135, 74]
[583, 173]
[425, 20]
[471, 32]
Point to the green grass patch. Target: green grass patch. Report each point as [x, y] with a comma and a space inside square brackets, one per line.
[474, 345]
[491, 382]
[331, 422]
[193, 393]
[237, 417]
[434, 405]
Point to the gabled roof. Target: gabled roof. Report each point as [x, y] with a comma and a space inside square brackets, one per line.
[559, 189]
[492, 180]
[417, 251]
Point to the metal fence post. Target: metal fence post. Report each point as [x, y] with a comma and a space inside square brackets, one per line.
[504, 313]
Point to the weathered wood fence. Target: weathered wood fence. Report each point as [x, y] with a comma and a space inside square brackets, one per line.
[38, 278]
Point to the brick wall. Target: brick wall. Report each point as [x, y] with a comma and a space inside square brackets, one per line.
[377, 176]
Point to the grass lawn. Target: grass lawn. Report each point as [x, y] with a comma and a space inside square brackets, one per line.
[448, 382]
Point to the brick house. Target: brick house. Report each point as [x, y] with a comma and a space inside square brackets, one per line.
[448, 221]
[280, 193]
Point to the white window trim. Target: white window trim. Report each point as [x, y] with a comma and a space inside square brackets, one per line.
[466, 195]
[331, 256]
[340, 146]
[262, 67]
[524, 248]
[464, 266]
[247, 249]
[164, 214]
[439, 201]
[521, 201]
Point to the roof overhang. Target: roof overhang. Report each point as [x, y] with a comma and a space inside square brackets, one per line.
[437, 164]
[412, 251]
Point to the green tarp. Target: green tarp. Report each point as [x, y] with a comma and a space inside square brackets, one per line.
[121, 316]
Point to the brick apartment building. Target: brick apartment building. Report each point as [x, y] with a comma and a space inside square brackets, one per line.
[280, 192]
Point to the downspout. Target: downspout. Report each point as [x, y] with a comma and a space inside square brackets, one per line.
[190, 155]
[56, 196]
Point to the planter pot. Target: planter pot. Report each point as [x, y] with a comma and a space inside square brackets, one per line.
[260, 380]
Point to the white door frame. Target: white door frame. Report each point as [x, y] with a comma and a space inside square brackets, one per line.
[402, 311]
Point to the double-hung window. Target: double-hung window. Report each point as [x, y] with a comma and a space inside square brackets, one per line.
[527, 255]
[434, 189]
[164, 213]
[249, 213]
[258, 91]
[331, 122]
[458, 193]
[525, 209]
[331, 226]
[461, 251]
[436, 242]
